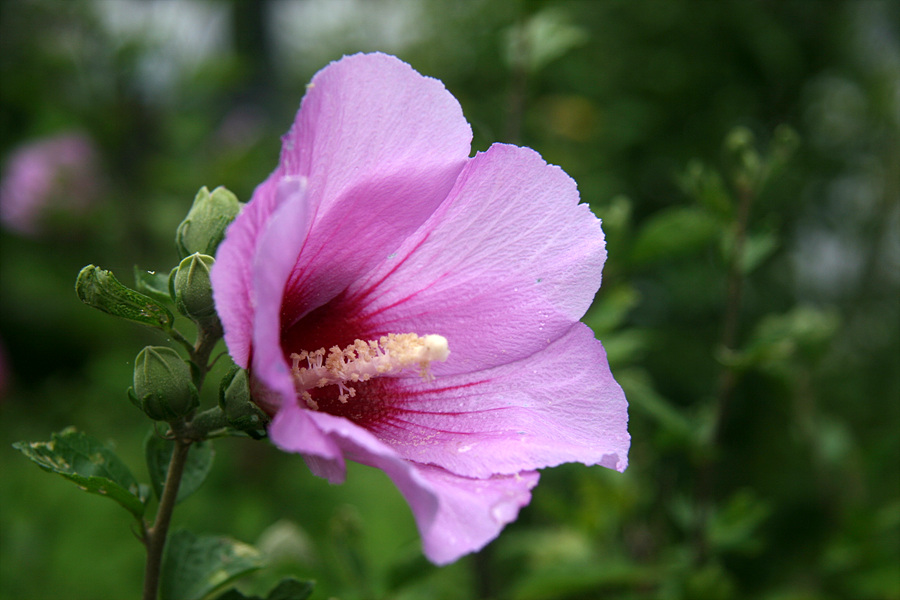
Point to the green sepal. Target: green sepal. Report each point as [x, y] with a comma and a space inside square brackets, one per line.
[158, 453]
[99, 288]
[195, 566]
[83, 459]
[288, 589]
[240, 410]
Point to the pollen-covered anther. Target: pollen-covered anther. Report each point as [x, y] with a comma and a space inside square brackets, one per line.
[362, 360]
[307, 397]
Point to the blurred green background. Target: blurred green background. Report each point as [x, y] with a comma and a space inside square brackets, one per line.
[745, 159]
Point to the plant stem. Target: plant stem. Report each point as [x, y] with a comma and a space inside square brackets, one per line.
[179, 337]
[728, 379]
[518, 89]
[207, 338]
[156, 535]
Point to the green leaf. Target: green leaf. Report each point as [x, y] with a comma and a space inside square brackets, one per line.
[804, 333]
[546, 36]
[93, 466]
[153, 284]
[291, 589]
[158, 452]
[582, 579]
[287, 589]
[195, 566]
[736, 526]
[236, 594]
[674, 233]
[626, 346]
[100, 289]
[705, 186]
[642, 394]
[757, 248]
[611, 308]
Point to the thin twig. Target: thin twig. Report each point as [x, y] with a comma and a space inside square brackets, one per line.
[518, 90]
[728, 378]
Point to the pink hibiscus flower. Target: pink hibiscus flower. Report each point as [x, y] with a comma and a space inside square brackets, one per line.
[405, 306]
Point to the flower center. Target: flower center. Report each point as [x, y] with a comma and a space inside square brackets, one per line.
[362, 360]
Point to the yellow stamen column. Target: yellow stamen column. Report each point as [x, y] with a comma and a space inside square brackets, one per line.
[363, 360]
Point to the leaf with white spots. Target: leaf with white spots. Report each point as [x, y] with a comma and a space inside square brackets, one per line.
[89, 463]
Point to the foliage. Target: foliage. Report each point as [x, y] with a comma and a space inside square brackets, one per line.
[748, 307]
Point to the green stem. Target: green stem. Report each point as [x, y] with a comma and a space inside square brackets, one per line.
[207, 338]
[728, 379]
[178, 337]
[205, 424]
[518, 90]
[156, 536]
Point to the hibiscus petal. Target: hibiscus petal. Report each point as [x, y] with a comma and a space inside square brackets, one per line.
[506, 264]
[455, 515]
[294, 430]
[370, 114]
[471, 512]
[559, 405]
[290, 432]
[233, 275]
[381, 146]
[279, 241]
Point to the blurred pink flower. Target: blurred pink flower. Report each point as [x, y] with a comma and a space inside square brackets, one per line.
[51, 175]
[407, 307]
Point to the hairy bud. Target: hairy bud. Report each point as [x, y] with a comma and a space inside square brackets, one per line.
[191, 288]
[204, 226]
[163, 387]
[239, 409]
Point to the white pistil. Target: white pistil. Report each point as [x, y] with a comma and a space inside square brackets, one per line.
[360, 361]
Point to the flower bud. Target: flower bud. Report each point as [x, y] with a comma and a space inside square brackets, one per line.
[191, 288]
[239, 409]
[204, 226]
[163, 387]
